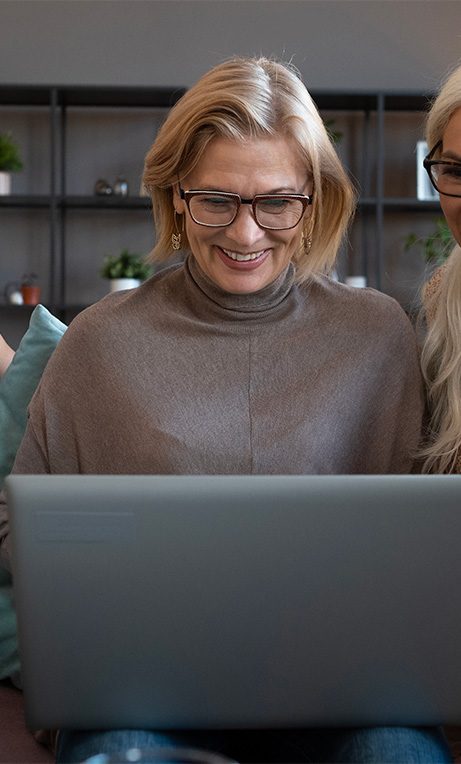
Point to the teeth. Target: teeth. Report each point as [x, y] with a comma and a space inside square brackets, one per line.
[243, 258]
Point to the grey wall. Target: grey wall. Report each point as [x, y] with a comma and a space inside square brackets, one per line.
[337, 44]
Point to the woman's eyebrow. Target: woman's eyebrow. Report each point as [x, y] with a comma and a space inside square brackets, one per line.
[451, 156]
[281, 190]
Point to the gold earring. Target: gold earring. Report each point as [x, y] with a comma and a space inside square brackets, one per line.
[176, 240]
[306, 243]
[176, 237]
[306, 239]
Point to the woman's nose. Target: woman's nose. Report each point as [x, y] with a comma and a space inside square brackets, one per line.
[245, 230]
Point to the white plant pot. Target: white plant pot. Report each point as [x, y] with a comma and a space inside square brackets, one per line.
[117, 284]
[356, 281]
[424, 188]
[5, 183]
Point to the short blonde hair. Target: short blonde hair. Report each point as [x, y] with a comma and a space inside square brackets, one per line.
[242, 99]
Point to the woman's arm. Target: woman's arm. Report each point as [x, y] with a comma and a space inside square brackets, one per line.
[6, 356]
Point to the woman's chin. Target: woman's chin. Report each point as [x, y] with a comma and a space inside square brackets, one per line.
[241, 278]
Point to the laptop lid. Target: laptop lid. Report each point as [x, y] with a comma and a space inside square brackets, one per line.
[238, 601]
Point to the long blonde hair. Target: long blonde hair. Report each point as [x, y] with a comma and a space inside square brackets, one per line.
[441, 353]
[242, 99]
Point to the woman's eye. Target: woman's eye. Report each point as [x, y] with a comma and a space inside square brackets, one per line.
[452, 171]
[215, 202]
[274, 205]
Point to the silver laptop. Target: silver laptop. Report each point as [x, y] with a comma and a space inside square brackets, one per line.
[238, 602]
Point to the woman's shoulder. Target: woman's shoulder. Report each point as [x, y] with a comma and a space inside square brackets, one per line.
[430, 293]
[128, 305]
[363, 317]
[432, 286]
[109, 325]
[360, 303]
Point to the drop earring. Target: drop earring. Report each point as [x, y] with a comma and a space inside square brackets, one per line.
[306, 238]
[176, 240]
[306, 243]
[176, 237]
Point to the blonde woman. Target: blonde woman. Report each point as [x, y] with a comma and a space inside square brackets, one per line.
[441, 355]
[244, 359]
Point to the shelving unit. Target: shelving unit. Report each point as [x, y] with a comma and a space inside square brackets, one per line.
[56, 186]
[390, 124]
[70, 136]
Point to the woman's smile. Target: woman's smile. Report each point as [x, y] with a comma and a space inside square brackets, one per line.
[239, 256]
[241, 259]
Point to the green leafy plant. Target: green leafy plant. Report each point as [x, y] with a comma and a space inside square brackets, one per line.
[437, 246]
[10, 160]
[127, 265]
[335, 135]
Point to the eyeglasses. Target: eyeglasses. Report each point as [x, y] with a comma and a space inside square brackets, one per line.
[217, 209]
[444, 176]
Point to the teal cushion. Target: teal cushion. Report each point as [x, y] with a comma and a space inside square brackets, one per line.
[17, 387]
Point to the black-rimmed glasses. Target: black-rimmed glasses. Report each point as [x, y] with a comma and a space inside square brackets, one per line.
[444, 176]
[217, 209]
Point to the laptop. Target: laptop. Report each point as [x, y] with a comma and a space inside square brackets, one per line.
[238, 601]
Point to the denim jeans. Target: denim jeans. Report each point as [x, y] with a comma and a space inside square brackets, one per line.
[375, 745]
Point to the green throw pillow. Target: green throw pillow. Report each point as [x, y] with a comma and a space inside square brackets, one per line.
[17, 387]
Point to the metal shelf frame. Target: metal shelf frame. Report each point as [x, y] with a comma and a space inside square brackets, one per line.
[58, 99]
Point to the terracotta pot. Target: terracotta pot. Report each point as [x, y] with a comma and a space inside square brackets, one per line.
[31, 295]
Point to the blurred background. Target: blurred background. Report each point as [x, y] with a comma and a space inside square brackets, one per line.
[79, 84]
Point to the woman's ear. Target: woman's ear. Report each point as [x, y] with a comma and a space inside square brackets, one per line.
[178, 203]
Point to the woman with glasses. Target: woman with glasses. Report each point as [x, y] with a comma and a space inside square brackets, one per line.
[244, 359]
[441, 354]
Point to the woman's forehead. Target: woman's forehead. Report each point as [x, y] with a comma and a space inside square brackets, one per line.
[273, 160]
[452, 134]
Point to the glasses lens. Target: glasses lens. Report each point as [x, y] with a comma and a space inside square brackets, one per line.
[279, 212]
[212, 209]
[447, 178]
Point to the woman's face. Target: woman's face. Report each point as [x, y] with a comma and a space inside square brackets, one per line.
[451, 205]
[259, 166]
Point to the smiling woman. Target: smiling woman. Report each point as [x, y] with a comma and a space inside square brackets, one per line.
[441, 354]
[261, 111]
[243, 247]
[244, 359]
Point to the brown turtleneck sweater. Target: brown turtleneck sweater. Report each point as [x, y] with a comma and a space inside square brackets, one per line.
[180, 377]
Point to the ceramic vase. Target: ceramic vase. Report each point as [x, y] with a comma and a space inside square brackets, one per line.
[117, 284]
[5, 183]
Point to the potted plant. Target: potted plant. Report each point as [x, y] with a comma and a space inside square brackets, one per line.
[10, 161]
[334, 135]
[125, 271]
[30, 290]
[436, 247]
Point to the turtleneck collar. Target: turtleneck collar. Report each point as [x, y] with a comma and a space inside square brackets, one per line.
[255, 303]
